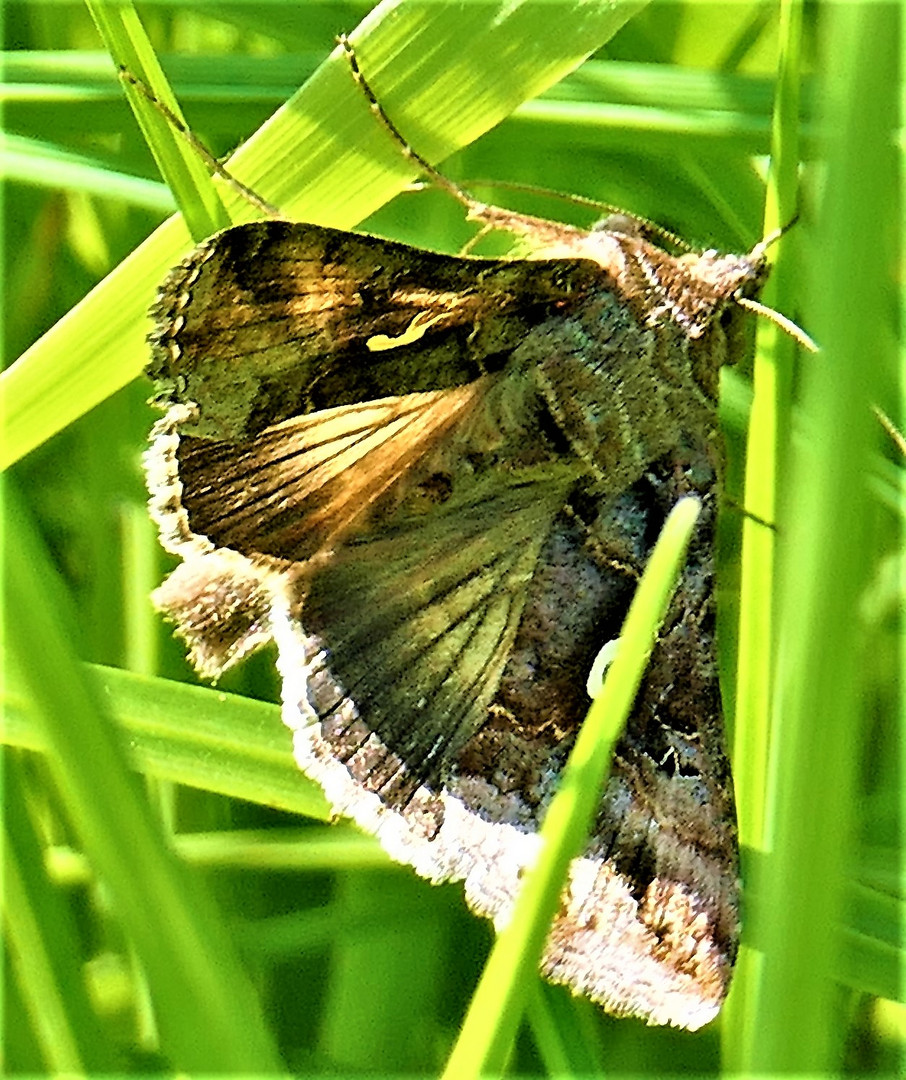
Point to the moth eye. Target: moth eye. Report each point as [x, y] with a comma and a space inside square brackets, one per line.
[726, 317]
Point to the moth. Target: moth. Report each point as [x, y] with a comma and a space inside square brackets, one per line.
[433, 481]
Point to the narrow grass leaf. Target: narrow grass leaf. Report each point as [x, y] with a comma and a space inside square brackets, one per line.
[190, 735]
[770, 414]
[496, 1008]
[828, 547]
[45, 165]
[563, 1029]
[181, 167]
[210, 1019]
[43, 945]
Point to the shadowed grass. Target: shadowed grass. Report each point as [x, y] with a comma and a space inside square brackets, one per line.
[169, 919]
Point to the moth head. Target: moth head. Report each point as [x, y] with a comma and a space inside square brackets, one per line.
[719, 287]
[724, 278]
[745, 276]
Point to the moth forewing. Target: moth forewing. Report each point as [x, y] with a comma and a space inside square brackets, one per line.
[265, 321]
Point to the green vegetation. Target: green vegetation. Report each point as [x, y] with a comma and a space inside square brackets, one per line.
[274, 942]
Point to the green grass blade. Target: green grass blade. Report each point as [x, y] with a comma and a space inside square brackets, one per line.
[871, 955]
[322, 157]
[770, 414]
[318, 848]
[563, 1029]
[190, 735]
[42, 944]
[770, 409]
[181, 167]
[44, 165]
[169, 919]
[827, 551]
[494, 1015]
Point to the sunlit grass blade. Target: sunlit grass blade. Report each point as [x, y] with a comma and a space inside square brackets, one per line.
[191, 735]
[496, 1008]
[324, 158]
[770, 415]
[828, 548]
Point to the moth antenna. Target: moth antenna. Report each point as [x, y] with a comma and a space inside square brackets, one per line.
[214, 166]
[493, 217]
[471, 244]
[785, 324]
[899, 439]
[406, 148]
[762, 246]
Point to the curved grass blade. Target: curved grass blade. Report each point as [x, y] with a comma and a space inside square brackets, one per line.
[324, 158]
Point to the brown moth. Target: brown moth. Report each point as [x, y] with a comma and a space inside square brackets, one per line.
[433, 482]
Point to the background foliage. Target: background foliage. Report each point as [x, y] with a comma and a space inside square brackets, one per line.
[274, 941]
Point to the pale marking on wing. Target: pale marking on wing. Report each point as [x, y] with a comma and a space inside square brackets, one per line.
[605, 657]
[413, 332]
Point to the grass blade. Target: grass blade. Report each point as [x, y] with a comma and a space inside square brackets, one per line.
[170, 920]
[770, 414]
[494, 1015]
[322, 156]
[182, 169]
[827, 551]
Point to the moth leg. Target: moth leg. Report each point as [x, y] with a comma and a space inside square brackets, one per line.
[214, 166]
[537, 231]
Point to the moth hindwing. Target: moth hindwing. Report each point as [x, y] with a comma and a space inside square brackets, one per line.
[433, 481]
